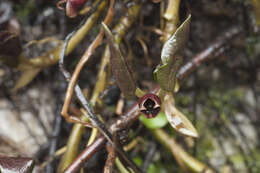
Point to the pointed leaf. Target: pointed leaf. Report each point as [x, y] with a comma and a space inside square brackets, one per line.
[120, 69]
[176, 42]
[165, 74]
[177, 120]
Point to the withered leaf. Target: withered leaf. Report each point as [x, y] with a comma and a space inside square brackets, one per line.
[165, 74]
[16, 164]
[176, 118]
[120, 69]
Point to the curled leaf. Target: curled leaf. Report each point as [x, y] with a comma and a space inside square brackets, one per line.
[165, 74]
[176, 118]
[120, 69]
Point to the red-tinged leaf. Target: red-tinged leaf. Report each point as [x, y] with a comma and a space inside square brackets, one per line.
[16, 164]
[165, 74]
[120, 69]
[177, 120]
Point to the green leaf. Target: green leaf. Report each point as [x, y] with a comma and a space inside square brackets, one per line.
[176, 42]
[154, 123]
[120, 69]
[165, 74]
[138, 161]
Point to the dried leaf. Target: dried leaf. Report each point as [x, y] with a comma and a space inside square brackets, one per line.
[165, 74]
[120, 69]
[177, 119]
[16, 164]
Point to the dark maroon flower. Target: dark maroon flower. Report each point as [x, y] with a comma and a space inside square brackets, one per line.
[149, 105]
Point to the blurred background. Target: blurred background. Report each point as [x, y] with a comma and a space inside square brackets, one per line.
[220, 98]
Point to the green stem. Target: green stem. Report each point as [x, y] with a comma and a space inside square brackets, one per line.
[72, 147]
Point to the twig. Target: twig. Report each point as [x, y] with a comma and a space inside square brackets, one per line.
[88, 53]
[206, 53]
[95, 121]
[110, 160]
[54, 140]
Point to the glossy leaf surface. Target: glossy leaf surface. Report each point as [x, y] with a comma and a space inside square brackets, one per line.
[177, 119]
[120, 69]
[165, 74]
